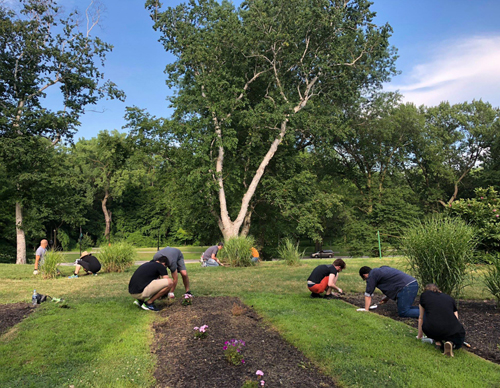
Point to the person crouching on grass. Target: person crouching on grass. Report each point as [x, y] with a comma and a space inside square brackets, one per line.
[149, 282]
[324, 278]
[439, 320]
[89, 263]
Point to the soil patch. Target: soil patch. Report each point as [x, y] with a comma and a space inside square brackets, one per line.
[11, 314]
[184, 361]
[481, 320]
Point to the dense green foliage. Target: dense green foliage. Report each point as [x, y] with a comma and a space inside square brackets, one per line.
[117, 257]
[439, 250]
[49, 268]
[237, 251]
[492, 280]
[289, 252]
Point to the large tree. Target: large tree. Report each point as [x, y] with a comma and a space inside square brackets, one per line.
[250, 78]
[42, 50]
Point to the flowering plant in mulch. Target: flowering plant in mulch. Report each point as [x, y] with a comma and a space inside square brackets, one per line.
[201, 332]
[255, 384]
[232, 351]
[187, 300]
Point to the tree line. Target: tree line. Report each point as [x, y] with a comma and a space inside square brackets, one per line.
[280, 129]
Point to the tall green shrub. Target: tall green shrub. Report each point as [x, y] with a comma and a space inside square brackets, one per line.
[492, 280]
[117, 257]
[289, 252]
[237, 251]
[49, 267]
[439, 250]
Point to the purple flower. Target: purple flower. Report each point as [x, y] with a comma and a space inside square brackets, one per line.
[226, 343]
[262, 382]
[225, 348]
[195, 328]
[242, 361]
[259, 373]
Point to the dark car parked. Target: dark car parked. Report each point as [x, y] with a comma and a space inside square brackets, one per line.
[325, 253]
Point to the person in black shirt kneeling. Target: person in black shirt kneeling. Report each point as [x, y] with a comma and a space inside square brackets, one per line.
[439, 320]
[324, 278]
[149, 282]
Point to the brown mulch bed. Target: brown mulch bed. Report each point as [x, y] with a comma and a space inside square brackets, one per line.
[481, 320]
[184, 361]
[11, 314]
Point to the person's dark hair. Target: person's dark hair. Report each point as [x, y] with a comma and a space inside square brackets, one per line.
[432, 287]
[340, 263]
[163, 260]
[220, 244]
[364, 270]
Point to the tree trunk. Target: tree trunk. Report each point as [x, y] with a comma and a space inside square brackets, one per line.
[107, 217]
[21, 237]
[232, 228]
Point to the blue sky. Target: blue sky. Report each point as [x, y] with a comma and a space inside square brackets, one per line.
[448, 50]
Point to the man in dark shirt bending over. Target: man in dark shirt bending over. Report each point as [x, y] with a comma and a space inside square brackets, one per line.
[150, 281]
[395, 285]
[324, 277]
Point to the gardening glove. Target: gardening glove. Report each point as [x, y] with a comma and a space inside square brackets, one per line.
[36, 272]
[361, 310]
[171, 295]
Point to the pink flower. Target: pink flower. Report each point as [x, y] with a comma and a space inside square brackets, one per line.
[497, 216]
[259, 373]
[225, 348]
[195, 328]
[242, 361]
[494, 210]
[262, 382]
[226, 343]
[482, 197]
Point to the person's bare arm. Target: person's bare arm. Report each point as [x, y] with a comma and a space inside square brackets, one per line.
[332, 282]
[368, 302]
[420, 322]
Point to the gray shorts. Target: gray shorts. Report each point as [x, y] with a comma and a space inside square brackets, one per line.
[181, 265]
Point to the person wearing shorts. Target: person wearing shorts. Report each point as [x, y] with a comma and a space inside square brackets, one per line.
[89, 263]
[324, 278]
[149, 282]
[176, 265]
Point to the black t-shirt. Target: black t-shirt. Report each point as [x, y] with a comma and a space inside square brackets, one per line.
[440, 321]
[320, 272]
[93, 264]
[144, 275]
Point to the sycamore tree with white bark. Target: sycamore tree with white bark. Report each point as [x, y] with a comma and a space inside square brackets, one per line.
[253, 78]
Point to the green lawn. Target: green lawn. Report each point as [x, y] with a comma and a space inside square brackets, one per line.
[103, 340]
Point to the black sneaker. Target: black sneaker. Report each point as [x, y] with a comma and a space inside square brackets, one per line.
[149, 307]
[138, 302]
[314, 295]
[189, 293]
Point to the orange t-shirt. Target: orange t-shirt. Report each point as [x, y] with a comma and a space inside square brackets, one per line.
[255, 252]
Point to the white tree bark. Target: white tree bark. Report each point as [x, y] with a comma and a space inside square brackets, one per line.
[21, 238]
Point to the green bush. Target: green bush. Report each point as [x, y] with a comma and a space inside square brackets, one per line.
[237, 251]
[492, 280]
[439, 250]
[49, 268]
[289, 252]
[86, 242]
[117, 257]
[483, 212]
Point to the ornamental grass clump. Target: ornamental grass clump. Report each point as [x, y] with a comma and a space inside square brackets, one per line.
[49, 267]
[187, 300]
[439, 250]
[255, 384]
[232, 351]
[200, 332]
[237, 251]
[289, 252]
[492, 280]
[117, 257]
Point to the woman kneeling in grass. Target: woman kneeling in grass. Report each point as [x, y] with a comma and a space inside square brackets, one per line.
[439, 320]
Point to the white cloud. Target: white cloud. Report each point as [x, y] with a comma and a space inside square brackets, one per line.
[455, 71]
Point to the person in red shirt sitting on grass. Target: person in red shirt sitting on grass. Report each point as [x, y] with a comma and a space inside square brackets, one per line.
[324, 278]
